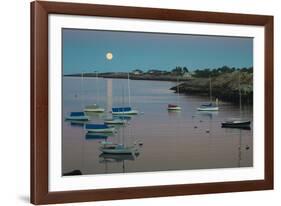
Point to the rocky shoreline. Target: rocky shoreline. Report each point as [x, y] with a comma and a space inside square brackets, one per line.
[224, 87]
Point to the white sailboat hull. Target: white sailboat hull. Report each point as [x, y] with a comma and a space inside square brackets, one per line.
[94, 110]
[78, 118]
[105, 130]
[115, 121]
[174, 108]
[119, 151]
[131, 112]
[208, 109]
[111, 148]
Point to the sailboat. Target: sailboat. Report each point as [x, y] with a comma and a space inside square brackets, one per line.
[125, 110]
[237, 122]
[99, 128]
[209, 106]
[96, 136]
[175, 107]
[94, 107]
[77, 117]
[113, 148]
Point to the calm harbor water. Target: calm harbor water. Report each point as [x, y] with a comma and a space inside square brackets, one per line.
[171, 140]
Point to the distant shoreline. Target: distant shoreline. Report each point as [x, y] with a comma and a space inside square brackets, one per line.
[133, 76]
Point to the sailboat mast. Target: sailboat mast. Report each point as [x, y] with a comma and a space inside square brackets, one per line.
[210, 89]
[240, 99]
[129, 90]
[97, 87]
[178, 90]
[123, 96]
[239, 149]
[82, 89]
[123, 106]
[123, 136]
[109, 94]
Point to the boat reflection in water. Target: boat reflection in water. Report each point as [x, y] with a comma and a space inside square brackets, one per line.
[116, 158]
[73, 172]
[209, 114]
[77, 123]
[243, 147]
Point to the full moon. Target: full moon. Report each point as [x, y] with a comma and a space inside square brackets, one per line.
[109, 55]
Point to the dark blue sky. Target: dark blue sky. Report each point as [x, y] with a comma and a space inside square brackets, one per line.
[85, 51]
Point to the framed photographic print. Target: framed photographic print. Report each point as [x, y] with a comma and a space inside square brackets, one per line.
[131, 102]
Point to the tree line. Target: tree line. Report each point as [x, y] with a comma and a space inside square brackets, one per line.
[207, 72]
[221, 70]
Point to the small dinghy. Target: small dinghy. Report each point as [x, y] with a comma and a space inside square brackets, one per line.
[173, 107]
[99, 128]
[124, 111]
[111, 148]
[77, 116]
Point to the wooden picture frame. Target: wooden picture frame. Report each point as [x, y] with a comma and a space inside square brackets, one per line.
[39, 102]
